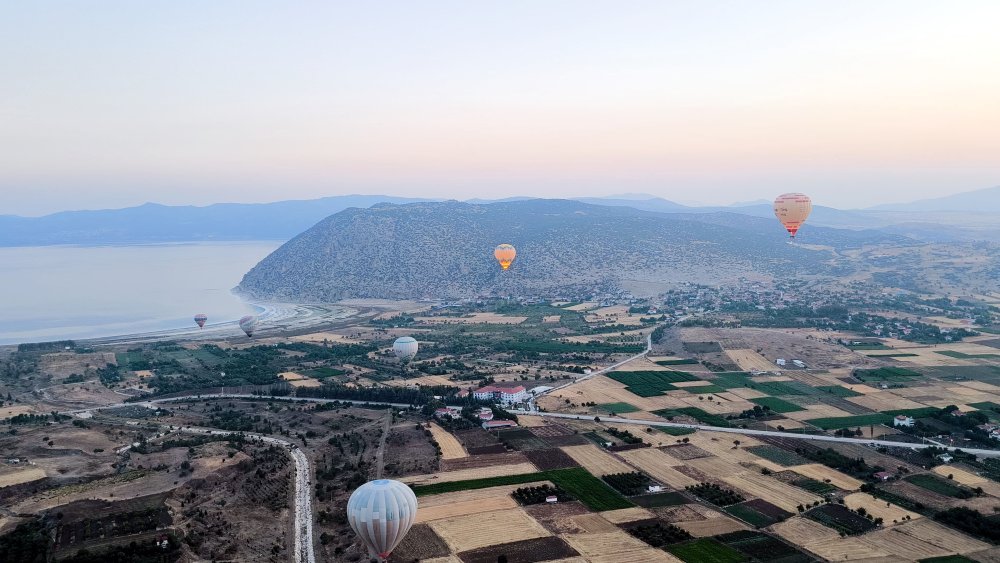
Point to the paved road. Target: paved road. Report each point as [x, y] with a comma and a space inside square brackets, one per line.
[750, 432]
[649, 348]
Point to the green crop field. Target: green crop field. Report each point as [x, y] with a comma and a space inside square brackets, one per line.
[732, 379]
[704, 389]
[749, 515]
[915, 413]
[705, 550]
[778, 455]
[886, 374]
[650, 383]
[576, 481]
[814, 486]
[657, 500]
[964, 356]
[617, 408]
[322, 373]
[776, 404]
[839, 391]
[695, 413]
[681, 362]
[675, 431]
[937, 485]
[779, 388]
[126, 359]
[837, 422]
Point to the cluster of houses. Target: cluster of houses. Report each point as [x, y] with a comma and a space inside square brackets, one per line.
[797, 363]
[484, 414]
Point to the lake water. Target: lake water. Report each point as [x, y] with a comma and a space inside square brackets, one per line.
[61, 292]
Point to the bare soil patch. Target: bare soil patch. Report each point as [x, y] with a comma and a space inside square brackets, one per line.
[525, 551]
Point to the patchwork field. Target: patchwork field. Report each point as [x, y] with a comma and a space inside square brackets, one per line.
[464, 533]
[595, 460]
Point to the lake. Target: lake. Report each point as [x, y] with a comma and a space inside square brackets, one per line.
[65, 292]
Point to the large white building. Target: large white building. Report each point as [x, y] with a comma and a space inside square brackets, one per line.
[501, 394]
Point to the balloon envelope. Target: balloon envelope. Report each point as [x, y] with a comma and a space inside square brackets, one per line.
[248, 324]
[792, 210]
[200, 319]
[505, 254]
[405, 348]
[381, 512]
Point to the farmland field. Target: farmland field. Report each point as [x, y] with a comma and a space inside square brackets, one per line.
[650, 383]
[763, 547]
[841, 519]
[776, 404]
[706, 550]
[695, 413]
[837, 422]
[838, 390]
[524, 551]
[887, 374]
[678, 362]
[964, 356]
[777, 455]
[575, 480]
[657, 500]
[617, 408]
[937, 485]
[596, 460]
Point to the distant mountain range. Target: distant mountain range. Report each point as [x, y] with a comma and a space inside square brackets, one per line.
[444, 250]
[968, 216]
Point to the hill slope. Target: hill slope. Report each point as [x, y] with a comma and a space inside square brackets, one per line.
[163, 223]
[444, 250]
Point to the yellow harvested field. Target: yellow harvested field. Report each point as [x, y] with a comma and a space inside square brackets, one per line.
[959, 475]
[658, 466]
[715, 465]
[583, 307]
[980, 386]
[475, 318]
[451, 448]
[750, 360]
[648, 555]
[465, 474]
[885, 401]
[771, 490]
[618, 543]
[683, 384]
[593, 524]
[551, 319]
[799, 531]
[305, 383]
[8, 412]
[845, 549]
[291, 376]
[428, 380]
[627, 515]
[530, 421]
[770, 378]
[596, 460]
[21, 476]
[486, 528]
[599, 390]
[937, 534]
[903, 545]
[461, 503]
[712, 526]
[878, 508]
[747, 393]
[446, 559]
[817, 411]
[642, 364]
[822, 473]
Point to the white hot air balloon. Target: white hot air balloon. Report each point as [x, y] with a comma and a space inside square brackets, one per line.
[381, 512]
[405, 348]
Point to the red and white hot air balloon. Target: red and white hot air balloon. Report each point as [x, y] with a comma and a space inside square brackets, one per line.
[792, 210]
[200, 319]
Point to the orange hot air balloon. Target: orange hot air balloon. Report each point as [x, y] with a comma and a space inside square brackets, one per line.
[792, 210]
[505, 254]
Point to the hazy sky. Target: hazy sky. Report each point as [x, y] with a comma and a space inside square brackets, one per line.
[107, 104]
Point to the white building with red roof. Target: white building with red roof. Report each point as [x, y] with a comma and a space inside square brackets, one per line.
[501, 394]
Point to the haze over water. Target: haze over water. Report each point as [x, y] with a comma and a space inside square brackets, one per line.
[65, 292]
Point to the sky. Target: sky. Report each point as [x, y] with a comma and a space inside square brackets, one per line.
[856, 102]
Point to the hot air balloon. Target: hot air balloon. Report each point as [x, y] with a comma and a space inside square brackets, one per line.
[381, 512]
[405, 348]
[248, 324]
[792, 210]
[200, 319]
[505, 254]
